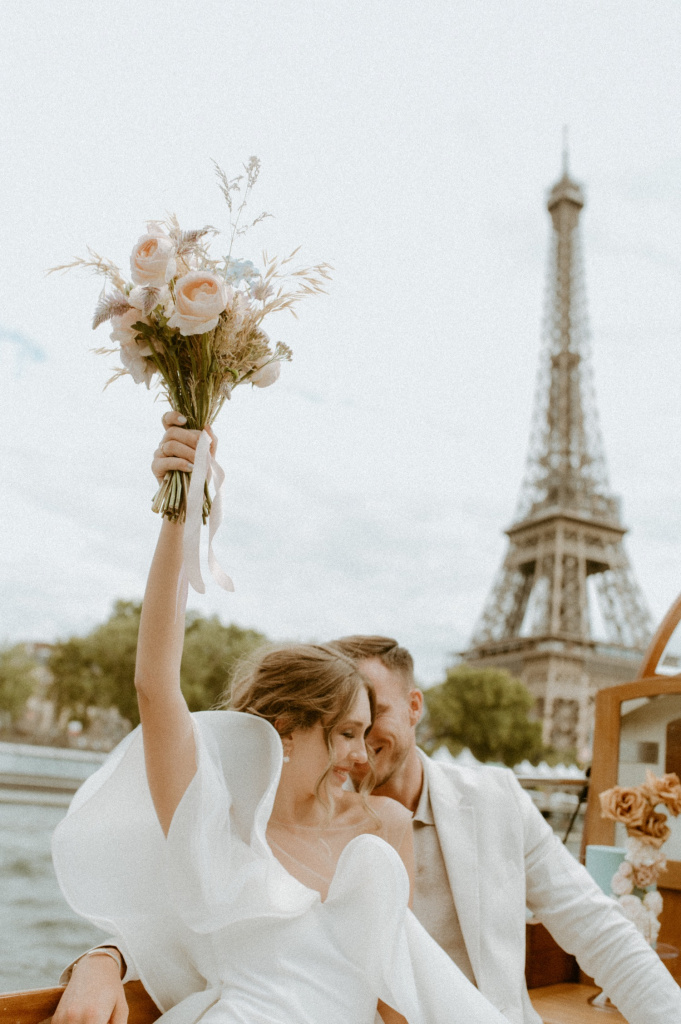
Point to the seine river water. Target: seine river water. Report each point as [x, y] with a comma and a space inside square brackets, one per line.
[39, 933]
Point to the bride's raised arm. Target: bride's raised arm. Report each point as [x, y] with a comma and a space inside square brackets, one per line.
[169, 747]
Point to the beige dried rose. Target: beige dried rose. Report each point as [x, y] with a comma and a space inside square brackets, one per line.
[666, 790]
[653, 829]
[626, 805]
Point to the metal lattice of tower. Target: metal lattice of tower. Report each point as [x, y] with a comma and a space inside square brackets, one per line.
[565, 612]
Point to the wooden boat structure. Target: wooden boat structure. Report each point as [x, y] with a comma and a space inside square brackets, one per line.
[560, 993]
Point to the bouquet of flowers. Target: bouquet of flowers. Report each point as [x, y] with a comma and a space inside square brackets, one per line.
[633, 884]
[194, 323]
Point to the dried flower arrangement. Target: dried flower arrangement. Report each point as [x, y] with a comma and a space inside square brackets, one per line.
[197, 323]
[647, 830]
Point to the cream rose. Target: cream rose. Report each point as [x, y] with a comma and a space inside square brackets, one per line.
[621, 883]
[653, 902]
[649, 927]
[153, 260]
[200, 297]
[134, 359]
[643, 853]
[632, 906]
[122, 326]
[267, 374]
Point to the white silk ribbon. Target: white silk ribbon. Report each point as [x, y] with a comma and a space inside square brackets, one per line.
[203, 462]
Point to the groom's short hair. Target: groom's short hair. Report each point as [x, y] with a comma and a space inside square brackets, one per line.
[384, 649]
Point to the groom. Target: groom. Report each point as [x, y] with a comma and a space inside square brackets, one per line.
[483, 853]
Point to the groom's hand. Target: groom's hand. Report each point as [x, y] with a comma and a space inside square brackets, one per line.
[94, 994]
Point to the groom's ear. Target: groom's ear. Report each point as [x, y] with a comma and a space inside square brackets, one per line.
[415, 700]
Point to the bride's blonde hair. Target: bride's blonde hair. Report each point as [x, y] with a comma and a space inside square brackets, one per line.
[297, 686]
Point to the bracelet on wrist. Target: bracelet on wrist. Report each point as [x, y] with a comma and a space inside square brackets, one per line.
[101, 951]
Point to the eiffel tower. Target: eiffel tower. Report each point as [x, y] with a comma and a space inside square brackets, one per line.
[564, 613]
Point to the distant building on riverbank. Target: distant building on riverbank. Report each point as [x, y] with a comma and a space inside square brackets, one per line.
[39, 723]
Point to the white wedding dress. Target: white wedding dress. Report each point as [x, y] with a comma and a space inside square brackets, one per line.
[216, 927]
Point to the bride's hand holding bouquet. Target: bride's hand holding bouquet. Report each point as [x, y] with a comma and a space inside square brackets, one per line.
[177, 448]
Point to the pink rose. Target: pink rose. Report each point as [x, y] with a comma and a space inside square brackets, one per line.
[153, 260]
[200, 297]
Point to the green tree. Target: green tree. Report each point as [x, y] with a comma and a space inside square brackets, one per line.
[72, 686]
[211, 651]
[99, 669]
[485, 709]
[17, 679]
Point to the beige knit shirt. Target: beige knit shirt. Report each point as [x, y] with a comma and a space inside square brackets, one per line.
[433, 900]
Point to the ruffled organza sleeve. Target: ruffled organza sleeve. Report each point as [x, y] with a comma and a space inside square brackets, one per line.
[218, 866]
[163, 897]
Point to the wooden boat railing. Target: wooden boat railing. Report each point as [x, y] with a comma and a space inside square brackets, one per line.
[38, 1005]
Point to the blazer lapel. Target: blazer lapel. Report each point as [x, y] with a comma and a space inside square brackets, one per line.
[457, 831]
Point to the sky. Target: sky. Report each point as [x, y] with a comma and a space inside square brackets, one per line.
[412, 147]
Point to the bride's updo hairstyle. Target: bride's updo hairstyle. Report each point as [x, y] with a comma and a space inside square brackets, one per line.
[297, 686]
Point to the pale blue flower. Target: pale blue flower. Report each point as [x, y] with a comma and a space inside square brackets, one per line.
[240, 270]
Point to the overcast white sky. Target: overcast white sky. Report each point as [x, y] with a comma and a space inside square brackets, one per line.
[411, 145]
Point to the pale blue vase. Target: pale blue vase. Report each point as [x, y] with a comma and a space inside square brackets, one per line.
[602, 862]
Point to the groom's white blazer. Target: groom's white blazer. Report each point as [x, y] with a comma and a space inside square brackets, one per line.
[501, 856]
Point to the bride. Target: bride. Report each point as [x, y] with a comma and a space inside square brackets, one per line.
[242, 880]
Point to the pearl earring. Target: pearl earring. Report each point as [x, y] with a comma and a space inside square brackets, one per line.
[286, 759]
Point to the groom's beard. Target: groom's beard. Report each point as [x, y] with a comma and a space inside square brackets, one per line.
[386, 763]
